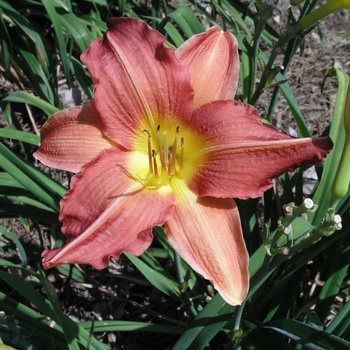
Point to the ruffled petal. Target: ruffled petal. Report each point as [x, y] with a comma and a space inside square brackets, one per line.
[242, 155]
[107, 212]
[137, 80]
[71, 138]
[207, 234]
[212, 60]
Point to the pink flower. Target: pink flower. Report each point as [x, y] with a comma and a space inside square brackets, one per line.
[164, 143]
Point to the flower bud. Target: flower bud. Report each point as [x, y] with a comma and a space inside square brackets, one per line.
[342, 178]
[323, 11]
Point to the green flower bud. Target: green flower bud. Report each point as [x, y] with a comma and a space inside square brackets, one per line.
[342, 178]
[323, 11]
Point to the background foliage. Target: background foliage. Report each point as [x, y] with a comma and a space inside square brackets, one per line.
[299, 295]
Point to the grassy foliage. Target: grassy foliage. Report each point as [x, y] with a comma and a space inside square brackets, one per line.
[158, 297]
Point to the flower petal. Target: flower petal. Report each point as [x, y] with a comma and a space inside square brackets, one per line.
[213, 63]
[243, 155]
[207, 234]
[71, 138]
[137, 80]
[107, 212]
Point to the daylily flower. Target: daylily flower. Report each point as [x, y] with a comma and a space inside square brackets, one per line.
[164, 143]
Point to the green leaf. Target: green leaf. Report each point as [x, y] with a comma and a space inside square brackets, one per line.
[22, 253]
[187, 21]
[31, 178]
[69, 331]
[25, 97]
[131, 326]
[25, 26]
[59, 35]
[72, 272]
[341, 322]
[157, 279]
[42, 332]
[169, 29]
[293, 105]
[308, 336]
[205, 325]
[20, 136]
[5, 48]
[11, 208]
[33, 69]
[334, 271]
[51, 308]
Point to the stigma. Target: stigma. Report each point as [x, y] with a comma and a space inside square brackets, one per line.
[165, 158]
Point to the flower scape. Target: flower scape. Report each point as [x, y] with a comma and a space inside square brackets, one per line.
[163, 142]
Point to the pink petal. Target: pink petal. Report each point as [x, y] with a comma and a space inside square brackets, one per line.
[213, 63]
[207, 234]
[243, 155]
[71, 138]
[107, 212]
[138, 80]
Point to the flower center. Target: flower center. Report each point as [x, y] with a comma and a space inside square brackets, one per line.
[166, 159]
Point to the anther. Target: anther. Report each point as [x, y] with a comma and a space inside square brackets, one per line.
[150, 163]
[155, 163]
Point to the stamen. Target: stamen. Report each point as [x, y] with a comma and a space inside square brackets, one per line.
[161, 155]
[170, 167]
[166, 160]
[155, 163]
[167, 155]
[173, 159]
[181, 163]
[150, 163]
